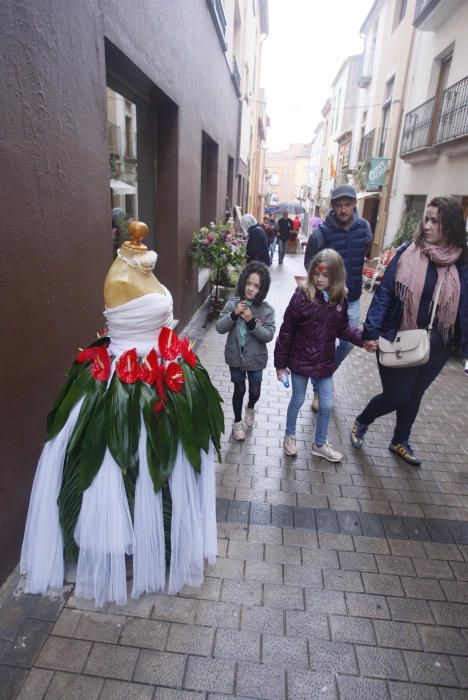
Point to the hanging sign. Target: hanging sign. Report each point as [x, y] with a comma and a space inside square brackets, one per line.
[377, 172]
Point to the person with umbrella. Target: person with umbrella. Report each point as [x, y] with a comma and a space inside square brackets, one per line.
[285, 226]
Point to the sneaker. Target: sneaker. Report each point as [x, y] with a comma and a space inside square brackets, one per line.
[238, 432]
[249, 418]
[403, 450]
[289, 445]
[357, 435]
[327, 452]
[315, 402]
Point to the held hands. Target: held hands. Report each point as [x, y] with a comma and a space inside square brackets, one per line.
[242, 309]
[370, 345]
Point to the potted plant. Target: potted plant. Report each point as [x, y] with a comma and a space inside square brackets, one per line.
[220, 250]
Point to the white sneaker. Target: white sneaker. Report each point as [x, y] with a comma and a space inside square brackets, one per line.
[327, 452]
[238, 432]
[289, 445]
[315, 402]
[249, 418]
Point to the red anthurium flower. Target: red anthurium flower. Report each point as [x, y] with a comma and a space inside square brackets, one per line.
[187, 352]
[102, 365]
[149, 367]
[127, 368]
[160, 384]
[174, 377]
[169, 344]
[86, 355]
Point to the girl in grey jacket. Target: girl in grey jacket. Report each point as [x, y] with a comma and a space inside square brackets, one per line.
[249, 322]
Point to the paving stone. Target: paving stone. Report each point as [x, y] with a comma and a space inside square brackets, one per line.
[425, 588]
[304, 685]
[218, 614]
[216, 675]
[11, 680]
[433, 669]
[436, 550]
[112, 661]
[210, 589]
[410, 610]
[383, 584]
[334, 657]
[394, 527]
[452, 614]
[400, 566]
[303, 576]
[332, 540]
[372, 545]
[282, 516]
[412, 691]
[320, 558]
[438, 530]
[432, 568]
[190, 639]
[326, 520]
[169, 694]
[381, 663]
[283, 597]
[286, 554]
[67, 622]
[47, 608]
[99, 627]
[362, 688]
[351, 629]
[136, 607]
[120, 690]
[260, 513]
[64, 654]
[304, 538]
[238, 512]
[349, 522]
[245, 592]
[446, 640]
[260, 681]
[35, 685]
[13, 613]
[284, 651]
[416, 528]
[460, 569]
[30, 639]
[260, 619]
[406, 548]
[325, 601]
[222, 505]
[259, 533]
[306, 624]
[145, 634]
[226, 568]
[174, 609]
[73, 687]
[456, 591]
[304, 518]
[461, 668]
[161, 668]
[400, 635]
[357, 561]
[366, 605]
[239, 645]
[246, 550]
[341, 580]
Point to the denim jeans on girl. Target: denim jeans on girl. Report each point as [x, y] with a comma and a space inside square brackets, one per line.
[325, 389]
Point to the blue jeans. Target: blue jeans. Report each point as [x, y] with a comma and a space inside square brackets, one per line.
[354, 314]
[325, 390]
[281, 249]
[271, 248]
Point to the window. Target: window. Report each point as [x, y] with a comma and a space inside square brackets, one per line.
[400, 12]
[209, 180]
[386, 107]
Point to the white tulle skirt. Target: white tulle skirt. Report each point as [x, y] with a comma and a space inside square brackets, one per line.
[105, 532]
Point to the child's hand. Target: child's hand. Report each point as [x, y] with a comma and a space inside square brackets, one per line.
[240, 307]
[370, 345]
[247, 314]
[281, 373]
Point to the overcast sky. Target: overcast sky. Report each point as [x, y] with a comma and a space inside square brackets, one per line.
[307, 43]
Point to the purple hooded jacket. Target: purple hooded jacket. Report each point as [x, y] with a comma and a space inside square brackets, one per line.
[306, 341]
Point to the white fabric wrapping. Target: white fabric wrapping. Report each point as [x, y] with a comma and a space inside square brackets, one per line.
[137, 323]
[149, 555]
[104, 535]
[42, 550]
[186, 526]
[207, 486]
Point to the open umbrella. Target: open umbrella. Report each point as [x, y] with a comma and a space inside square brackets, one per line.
[291, 208]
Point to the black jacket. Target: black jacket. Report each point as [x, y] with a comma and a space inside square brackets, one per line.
[257, 245]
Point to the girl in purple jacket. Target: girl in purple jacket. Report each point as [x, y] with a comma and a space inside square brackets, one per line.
[316, 316]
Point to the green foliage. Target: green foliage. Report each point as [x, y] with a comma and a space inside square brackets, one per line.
[218, 249]
[407, 228]
[361, 174]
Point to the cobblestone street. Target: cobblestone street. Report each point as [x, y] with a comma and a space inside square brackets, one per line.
[332, 581]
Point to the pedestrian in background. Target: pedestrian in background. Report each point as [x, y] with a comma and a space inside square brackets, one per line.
[437, 256]
[257, 245]
[351, 236]
[249, 322]
[271, 230]
[285, 226]
[315, 317]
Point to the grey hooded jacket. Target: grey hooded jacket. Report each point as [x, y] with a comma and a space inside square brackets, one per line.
[254, 355]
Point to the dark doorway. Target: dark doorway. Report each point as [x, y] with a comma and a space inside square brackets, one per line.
[209, 180]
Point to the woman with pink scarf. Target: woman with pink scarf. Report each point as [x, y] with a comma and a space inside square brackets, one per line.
[403, 302]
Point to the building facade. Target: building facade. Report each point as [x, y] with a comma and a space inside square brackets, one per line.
[179, 111]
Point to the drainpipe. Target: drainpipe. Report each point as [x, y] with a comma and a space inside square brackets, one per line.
[391, 173]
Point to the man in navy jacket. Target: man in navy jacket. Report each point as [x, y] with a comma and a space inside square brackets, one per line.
[351, 236]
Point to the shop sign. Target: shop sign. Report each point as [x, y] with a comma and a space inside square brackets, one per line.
[377, 172]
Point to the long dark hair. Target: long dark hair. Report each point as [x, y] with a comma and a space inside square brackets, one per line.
[262, 272]
[452, 223]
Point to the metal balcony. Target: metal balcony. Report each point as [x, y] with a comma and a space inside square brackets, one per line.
[417, 128]
[453, 120]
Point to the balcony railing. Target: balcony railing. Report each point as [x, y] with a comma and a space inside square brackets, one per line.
[366, 147]
[417, 127]
[453, 121]
[235, 74]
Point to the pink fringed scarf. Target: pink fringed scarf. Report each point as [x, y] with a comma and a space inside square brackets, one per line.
[409, 284]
